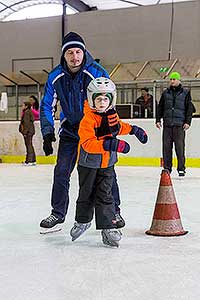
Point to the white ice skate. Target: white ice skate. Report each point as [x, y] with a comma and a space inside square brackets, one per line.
[29, 164]
[78, 229]
[111, 237]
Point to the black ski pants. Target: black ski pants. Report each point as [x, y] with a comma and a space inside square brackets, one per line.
[95, 193]
[66, 161]
[176, 135]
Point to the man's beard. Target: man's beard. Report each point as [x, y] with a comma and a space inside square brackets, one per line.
[74, 69]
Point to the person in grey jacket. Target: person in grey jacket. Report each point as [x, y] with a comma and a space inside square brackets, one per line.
[175, 108]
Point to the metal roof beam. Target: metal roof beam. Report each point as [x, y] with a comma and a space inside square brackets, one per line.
[14, 4]
[6, 77]
[78, 5]
[29, 76]
[24, 2]
[131, 2]
[6, 6]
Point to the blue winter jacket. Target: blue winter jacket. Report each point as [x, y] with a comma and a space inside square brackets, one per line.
[71, 91]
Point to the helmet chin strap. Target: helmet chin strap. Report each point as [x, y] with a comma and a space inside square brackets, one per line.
[109, 107]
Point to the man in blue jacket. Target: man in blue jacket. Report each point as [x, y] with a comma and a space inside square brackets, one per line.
[68, 83]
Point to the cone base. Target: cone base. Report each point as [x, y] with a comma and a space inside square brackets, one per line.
[151, 232]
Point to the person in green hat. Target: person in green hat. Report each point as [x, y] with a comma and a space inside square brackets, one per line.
[175, 108]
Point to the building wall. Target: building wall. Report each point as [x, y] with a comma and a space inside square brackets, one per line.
[122, 35]
[141, 33]
[25, 39]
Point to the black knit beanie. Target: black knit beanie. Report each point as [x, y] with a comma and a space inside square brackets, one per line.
[72, 40]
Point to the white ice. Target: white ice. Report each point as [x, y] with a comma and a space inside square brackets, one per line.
[51, 267]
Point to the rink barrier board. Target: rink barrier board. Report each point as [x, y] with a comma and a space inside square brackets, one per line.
[122, 161]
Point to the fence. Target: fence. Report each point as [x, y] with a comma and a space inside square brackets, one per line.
[127, 94]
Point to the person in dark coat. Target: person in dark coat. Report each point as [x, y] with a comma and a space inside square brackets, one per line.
[175, 108]
[146, 103]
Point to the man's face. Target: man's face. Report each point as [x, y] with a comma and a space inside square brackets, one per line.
[174, 82]
[74, 57]
[143, 93]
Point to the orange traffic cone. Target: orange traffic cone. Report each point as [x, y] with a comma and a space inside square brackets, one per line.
[166, 219]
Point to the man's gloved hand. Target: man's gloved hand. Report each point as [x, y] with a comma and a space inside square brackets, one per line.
[113, 121]
[116, 145]
[140, 134]
[47, 143]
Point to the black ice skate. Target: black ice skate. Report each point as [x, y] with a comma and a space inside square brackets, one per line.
[120, 221]
[51, 224]
[111, 237]
[78, 229]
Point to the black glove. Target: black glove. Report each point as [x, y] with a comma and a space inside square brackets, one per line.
[47, 143]
[116, 145]
[140, 134]
[113, 121]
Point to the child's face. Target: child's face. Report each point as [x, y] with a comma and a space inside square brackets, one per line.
[23, 106]
[31, 100]
[101, 103]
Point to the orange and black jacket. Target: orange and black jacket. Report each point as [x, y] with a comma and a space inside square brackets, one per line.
[94, 129]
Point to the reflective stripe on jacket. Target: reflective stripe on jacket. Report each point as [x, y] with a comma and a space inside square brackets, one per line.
[71, 92]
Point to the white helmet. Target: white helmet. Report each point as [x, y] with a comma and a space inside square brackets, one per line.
[101, 85]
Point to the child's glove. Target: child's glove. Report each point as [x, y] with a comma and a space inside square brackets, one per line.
[140, 134]
[116, 145]
[113, 121]
[47, 143]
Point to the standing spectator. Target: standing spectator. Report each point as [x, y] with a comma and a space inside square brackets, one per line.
[27, 129]
[68, 83]
[176, 108]
[35, 107]
[146, 103]
[98, 153]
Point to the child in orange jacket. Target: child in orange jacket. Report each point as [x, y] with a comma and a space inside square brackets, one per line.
[98, 154]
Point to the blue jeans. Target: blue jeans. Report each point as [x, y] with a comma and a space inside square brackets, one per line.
[66, 160]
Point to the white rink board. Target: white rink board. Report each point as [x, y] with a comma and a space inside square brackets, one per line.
[12, 143]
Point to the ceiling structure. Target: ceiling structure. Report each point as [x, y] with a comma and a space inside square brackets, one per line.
[8, 7]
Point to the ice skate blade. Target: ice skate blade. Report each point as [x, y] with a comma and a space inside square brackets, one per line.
[110, 242]
[113, 245]
[50, 230]
[80, 233]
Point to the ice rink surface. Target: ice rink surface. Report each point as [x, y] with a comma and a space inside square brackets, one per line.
[51, 267]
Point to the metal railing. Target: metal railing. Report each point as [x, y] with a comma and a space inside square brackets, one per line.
[127, 93]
